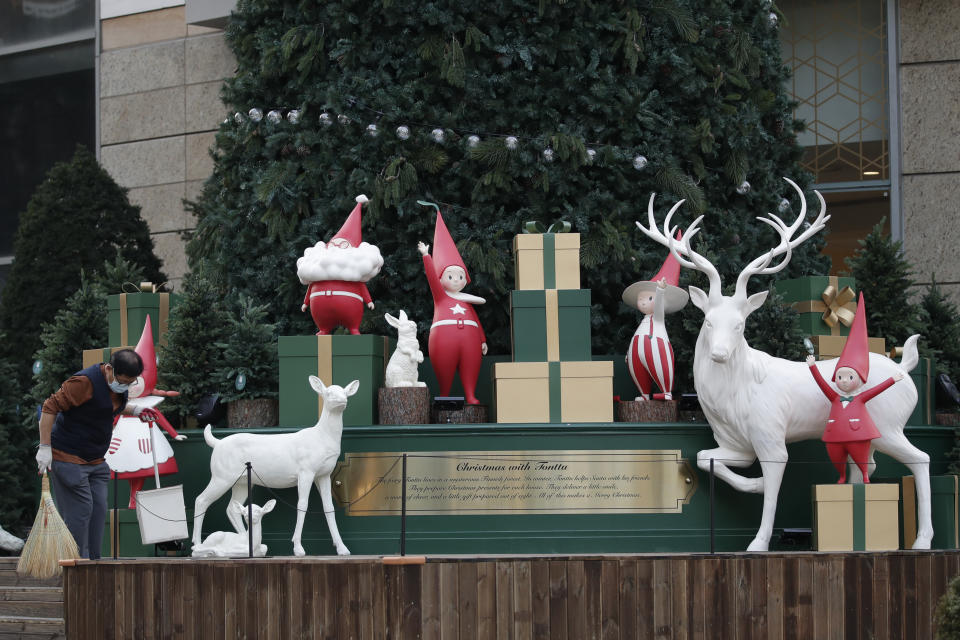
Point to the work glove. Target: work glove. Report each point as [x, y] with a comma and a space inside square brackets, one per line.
[44, 459]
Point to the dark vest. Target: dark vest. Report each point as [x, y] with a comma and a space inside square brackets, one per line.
[86, 430]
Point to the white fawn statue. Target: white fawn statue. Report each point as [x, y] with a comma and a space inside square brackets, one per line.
[299, 459]
[756, 404]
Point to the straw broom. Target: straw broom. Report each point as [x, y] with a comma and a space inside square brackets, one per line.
[49, 541]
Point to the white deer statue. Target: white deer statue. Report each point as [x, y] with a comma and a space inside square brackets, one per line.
[227, 544]
[299, 459]
[756, 404]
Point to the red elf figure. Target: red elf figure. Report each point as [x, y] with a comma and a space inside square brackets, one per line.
[650, 358]
[850, 427]
[457, 341]
[335, 274]
[129, 455]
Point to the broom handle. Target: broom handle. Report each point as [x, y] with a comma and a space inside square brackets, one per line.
[153, 452]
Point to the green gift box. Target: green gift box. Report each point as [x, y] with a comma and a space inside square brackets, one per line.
[923, 378]
[127, 313]
[826, 304]
[339, 360]
[943, 511]
[550, 325]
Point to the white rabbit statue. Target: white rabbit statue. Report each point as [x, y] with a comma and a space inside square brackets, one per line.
[402, 369]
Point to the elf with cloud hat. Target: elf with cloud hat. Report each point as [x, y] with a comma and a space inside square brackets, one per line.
[650, 358]
[336, 274]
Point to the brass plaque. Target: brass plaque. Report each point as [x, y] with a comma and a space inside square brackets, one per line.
[515, 482]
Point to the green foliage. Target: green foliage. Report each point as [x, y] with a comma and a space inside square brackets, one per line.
[77, 218]
[775, 329]
[191, 357]
[883, 275]
[80, 323]
[947, 616]
[696, 87]
[250, 349]
[112, 276]
[16, 500]
[943, 335]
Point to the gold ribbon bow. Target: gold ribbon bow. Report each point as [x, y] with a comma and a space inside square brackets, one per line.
[838, 306]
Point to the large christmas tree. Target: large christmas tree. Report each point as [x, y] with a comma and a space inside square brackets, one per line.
[503, 112]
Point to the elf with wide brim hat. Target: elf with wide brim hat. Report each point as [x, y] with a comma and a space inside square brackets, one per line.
[650, 357]
[129, 455]
[850, 427]
[457, 342]
[336, 273]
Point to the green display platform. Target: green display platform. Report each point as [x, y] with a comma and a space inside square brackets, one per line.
[737, 515]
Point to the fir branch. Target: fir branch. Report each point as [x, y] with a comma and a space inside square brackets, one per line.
[681, 18]
[735, 167]
[673, 180]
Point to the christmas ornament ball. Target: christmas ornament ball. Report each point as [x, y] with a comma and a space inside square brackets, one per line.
[640, 162]
[274, 116]
[325, 119]
[773, 19]
[744, 188]
[548, 154]
[342, 119]
[403, 132]
[255, 114]
[438, 135]
[511, 142]
[238, 117]
[372, 130]
[591, 155]
[293, 116]
[784, 205]
[473, 141]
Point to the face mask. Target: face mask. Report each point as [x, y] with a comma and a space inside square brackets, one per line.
[116, 387]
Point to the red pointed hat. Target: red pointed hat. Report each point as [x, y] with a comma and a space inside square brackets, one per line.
[147, 353]
[445, 252]
[350, 231]
[855, 354]
[676, 298]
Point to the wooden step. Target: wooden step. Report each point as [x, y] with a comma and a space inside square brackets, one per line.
[9, 577]
[27, 628]
[35, 602]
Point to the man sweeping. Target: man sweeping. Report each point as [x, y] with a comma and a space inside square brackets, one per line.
[76, 425]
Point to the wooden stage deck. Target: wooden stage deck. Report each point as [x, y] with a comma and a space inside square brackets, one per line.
[805, 596]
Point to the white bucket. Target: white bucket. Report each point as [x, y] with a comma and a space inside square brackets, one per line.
[162, 515]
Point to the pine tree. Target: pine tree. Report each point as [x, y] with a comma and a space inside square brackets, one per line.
[942, 333]
[250, 350]
[883, 275]
[77, 218]
[693, 89]
[191, 357]
[15, 451]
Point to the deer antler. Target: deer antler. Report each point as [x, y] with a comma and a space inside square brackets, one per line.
[681, 249]
[761, 265]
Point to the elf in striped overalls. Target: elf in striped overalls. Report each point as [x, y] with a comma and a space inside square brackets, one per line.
[650, 358]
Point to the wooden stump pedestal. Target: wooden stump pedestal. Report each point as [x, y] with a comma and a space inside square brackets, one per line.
[404, 405]
[470, 414]
[647, 411]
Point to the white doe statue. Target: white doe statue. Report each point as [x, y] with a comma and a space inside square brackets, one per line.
[756, 403]
[402, 369]
[228, 544]
[299, 459]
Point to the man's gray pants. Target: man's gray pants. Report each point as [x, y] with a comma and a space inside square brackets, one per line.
[80, 493]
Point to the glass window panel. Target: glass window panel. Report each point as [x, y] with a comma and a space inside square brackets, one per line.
[852, 215]
[837, 52]
[23, 22]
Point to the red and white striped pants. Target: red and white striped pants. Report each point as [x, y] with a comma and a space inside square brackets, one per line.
[649, 359]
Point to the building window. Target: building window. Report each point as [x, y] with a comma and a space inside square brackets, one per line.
[837, 52]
